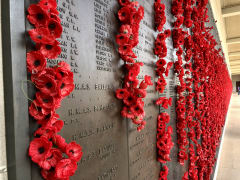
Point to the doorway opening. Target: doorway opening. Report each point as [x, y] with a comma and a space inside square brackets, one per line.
[237, 85]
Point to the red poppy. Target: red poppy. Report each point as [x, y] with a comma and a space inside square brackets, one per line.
[54, 28]
[129, 99]
[48, 3]
[148, 80]
[45, 101]
[35, 62]
[121, 93]
[63, 70]
[37, 15]
[38, 112]
[50, 51]
[125, 49]
[65, 168]
[137, 109]
[124, 2]
[53, 158]
[74, 151]
[41, 35]
[122, 39]
[126, 29]
[39, 149]
[126, 112]
[46, 83]
[65, 86]
[60, 142]
[124, 14]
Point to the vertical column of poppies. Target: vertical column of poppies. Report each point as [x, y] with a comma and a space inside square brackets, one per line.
[178, 36]
[133, 92]
[193, 124]
[164, 140]
[52, 84]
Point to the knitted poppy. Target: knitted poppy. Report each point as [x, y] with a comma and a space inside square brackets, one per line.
[122, 93]
[50, 51]
[41, 35]
[65, 86]
[36, 62]
[46, 84]
[124, 14]
[63, 70]
[37, 15]
[55, 155]
[74, 151]
[65, 168]
[54, 28]
[39, 149]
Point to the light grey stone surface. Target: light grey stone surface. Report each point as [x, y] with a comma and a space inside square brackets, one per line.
[3, 161]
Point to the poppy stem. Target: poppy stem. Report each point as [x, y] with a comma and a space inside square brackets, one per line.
[25, 94]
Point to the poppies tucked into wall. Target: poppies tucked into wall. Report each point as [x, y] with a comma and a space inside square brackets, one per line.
[47, 149]
[203, 86]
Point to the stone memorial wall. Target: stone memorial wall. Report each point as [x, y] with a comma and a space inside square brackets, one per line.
[112, 147]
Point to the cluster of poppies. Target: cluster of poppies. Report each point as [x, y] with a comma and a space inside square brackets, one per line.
[204, 90]
[178, 36]
[47, 149]
[164, 140]
[160, 18]
[132, 93]
[163, 173]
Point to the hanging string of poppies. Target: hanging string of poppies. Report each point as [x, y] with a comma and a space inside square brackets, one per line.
[57, 159]
[164, 140]
[132, 93]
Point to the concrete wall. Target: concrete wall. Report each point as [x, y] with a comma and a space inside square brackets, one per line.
[3, 161]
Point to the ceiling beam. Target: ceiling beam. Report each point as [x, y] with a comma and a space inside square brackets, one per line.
[231, 11]
[237, 53]
[233, 40]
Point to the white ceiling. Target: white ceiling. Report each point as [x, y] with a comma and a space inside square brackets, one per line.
[231, 14]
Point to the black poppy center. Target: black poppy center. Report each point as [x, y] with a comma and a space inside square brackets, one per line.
[136, 108]
[52, 26]
[121, 92]
[62, 73]
[49, 85]
[48, 47]
[46, 100]
[48, 116]
[123, 14]
[121, 37]
[39, 37]
[124, 47]
[62, 86]
[41, 150]
[40, 16]
[123, 1]
[130, 98]
[37, 63]
[71, 151]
